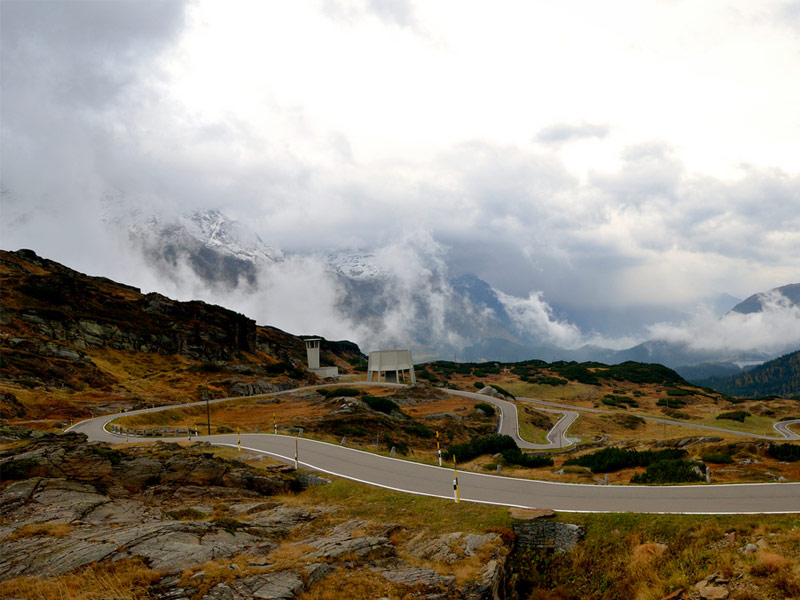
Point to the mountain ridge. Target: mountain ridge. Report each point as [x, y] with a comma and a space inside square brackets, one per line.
[422, 307]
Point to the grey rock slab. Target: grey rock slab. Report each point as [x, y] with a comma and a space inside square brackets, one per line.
[316, 572]
[17, 493]
[42, 556]
[280, 585]
[172, 547]
[51, 500]
[333, 548]
[280, 520]
[413, 576]
[120, 512]
[448, 547]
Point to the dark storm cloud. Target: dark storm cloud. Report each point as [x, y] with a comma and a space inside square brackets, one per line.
[68, 70]
[559, 133]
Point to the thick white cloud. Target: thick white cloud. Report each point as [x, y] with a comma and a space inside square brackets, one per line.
[772, 331]
[553, 149]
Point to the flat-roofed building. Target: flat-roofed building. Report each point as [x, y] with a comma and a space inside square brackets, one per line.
[390, 366]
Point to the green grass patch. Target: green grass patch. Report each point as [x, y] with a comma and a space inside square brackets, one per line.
[356, 500]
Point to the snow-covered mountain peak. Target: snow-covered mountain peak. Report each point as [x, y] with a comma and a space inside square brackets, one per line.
[360, 266]
[220, 233]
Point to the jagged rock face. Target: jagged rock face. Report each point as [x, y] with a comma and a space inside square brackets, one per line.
[53, 316]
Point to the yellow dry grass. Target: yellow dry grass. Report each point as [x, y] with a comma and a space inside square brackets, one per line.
[769, 563]
[452, 404]
[126, 579]
[55, 530]
[355, 583]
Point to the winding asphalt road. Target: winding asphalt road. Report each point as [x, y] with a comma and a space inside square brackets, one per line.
[417, 478]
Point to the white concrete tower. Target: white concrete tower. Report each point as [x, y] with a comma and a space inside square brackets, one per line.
[312, 351]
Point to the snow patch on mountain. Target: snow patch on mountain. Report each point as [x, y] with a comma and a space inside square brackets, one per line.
[359, 266]
[211, 229]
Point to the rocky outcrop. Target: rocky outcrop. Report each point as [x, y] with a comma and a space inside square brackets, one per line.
[68, 456]
[50, 311]
[182, 511]
[10, 407]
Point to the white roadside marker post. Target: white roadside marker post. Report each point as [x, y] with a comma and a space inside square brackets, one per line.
[456, 493]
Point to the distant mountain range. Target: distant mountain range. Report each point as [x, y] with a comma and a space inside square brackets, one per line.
[779, 377]
[438, 316]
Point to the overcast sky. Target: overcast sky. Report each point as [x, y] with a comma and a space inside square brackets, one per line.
[602, 153]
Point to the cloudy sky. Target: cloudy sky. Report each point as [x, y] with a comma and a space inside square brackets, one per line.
[599, 153]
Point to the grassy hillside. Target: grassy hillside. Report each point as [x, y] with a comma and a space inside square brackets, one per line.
[73, 345]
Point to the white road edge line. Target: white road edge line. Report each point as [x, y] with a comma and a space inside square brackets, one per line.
[463, 499]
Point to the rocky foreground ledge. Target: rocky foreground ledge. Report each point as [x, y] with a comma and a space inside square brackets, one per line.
[206, 527]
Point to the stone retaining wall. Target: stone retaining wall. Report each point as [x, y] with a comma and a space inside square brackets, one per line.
[547, 535]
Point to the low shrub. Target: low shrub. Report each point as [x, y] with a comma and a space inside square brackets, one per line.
[670, 471]
[381, 404]
[784, 452]
[502, 391]
[490, 444]
[113, 456]
[228, 524]
[609, 460]
[399, 447]
[17, 469]
[721, 459]
[676, 414]
[339, 392]
[487, 408]
[619, 401]
[576, 372]
[734, 415]
[277, 368]
[419, 430]
[675, 391]
[186, 514]
[544, 380]
[671, 402]
[515, 456]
